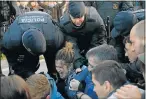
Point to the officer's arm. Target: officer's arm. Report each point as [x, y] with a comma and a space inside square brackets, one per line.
[11, 57]
[131, 72]
[98, 37]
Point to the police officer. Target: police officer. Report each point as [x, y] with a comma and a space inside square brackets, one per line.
[110, 8]
[83, 26]
[31, 34]
[7, 11]
[123, 23]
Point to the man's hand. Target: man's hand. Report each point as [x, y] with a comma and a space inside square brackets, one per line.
[74, 85]
[128, 92]
[78, 70]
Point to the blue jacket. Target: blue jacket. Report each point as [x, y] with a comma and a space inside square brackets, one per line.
[80, 77]
[89, 87]
[54, 94]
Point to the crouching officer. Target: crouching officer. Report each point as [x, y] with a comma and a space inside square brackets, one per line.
[31, 34]
[83, 26]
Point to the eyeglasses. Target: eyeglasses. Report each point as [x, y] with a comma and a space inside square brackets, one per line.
[91, 66]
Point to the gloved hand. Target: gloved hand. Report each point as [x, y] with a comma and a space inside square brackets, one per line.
[74, 84]
[78, 70]
[79, 63]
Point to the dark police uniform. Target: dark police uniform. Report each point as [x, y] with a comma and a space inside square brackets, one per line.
[6, 11]
[110, 8]
[90, 34]
[20, 60]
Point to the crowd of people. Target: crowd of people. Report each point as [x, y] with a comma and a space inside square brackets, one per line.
[92, 51]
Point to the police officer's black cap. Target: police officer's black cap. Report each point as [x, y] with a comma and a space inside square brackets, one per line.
[123, 23]
[34, 41]
[76, 9]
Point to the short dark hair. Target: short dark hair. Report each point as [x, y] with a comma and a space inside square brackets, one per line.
[112, 72]
[127, 40]
[14, 87]
[103, 52]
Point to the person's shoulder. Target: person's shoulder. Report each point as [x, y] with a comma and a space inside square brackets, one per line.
[64, 20]
[92, 14]
[92, 10]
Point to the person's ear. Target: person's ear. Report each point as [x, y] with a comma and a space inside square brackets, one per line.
[107, 86]
[48, 97]
[132, 48]
[126, 54]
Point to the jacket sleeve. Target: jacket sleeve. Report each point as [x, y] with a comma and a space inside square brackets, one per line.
[54, 94]
[80, 77]
[99, 36]
[11, 57]
[132, 72]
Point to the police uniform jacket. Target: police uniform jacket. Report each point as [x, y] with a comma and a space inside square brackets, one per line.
[90, 34]
[18, 57]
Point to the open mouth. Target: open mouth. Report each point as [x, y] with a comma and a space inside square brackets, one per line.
[61, 74]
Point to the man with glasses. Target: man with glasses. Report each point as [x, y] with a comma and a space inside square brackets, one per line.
[128, 50]
[123, 23]
[137, 37]
[133, 71]
[95, 56]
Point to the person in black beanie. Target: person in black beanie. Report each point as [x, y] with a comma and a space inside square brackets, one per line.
[29, 36]
[84, 27]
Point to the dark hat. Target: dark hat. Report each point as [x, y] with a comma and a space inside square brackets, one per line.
[34, 41]
[76, 9]
[123, 23]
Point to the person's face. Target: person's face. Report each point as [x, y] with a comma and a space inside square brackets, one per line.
[101, 91]
[78, 21]
[34, 4]
[23, 3]
[92, 62]
[137, 45]
[61, 68]
[130, 53]
[52, 4]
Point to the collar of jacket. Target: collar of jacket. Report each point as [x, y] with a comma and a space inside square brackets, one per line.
[117, 88]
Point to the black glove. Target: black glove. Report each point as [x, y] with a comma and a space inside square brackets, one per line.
[78, 63]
